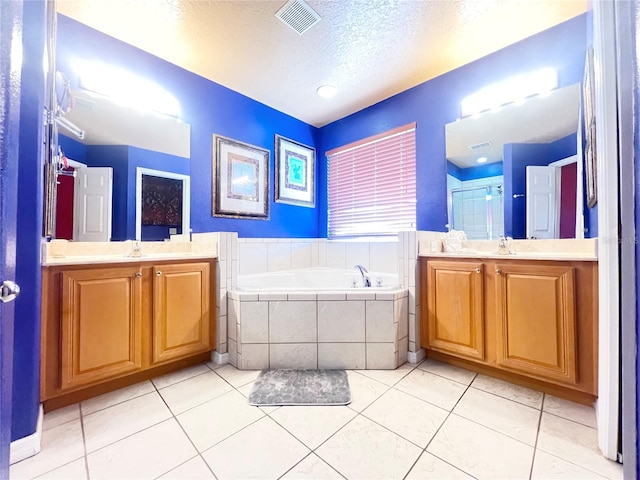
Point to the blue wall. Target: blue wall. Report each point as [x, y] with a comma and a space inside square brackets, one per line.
[210, 109]
[26, 366]
[436, 102]
[474, 173]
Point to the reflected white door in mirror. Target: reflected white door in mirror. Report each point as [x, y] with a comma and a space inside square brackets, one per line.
[84, 202]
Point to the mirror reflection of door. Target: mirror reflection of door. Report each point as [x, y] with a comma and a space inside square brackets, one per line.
[123, 139]
[83, 202]
[541, 131]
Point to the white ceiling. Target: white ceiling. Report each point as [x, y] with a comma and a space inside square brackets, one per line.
[540, 119]
[369, 49]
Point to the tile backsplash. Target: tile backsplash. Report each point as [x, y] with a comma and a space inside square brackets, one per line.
[261, 255]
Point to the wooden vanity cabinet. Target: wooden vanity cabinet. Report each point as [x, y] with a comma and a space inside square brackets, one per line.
[107, 322]
[536, 321]
[533, 322]
[181, 323]
[455, 313]
[101, 322]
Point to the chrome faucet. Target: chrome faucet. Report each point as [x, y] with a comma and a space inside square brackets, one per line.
[366, 281]
[503, 247]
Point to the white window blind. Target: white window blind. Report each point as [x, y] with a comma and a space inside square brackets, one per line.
[372, 185]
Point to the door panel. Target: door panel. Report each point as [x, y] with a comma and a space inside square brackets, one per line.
[536, 317]
[543, 213]
[455, 318]
[93, 205]
[101, 325]
[181, 314]
[10, 76]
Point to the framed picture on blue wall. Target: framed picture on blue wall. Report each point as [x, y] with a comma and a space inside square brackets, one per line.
[295, 173]
[240, 179]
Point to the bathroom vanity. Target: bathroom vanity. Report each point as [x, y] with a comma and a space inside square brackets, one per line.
[529, 318]
[109, 320]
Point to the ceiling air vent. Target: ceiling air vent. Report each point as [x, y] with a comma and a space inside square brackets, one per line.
[479, 145]
[80, 103]
[298, 15]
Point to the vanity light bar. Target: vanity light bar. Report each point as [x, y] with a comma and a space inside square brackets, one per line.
[128, 89]
[511, 90]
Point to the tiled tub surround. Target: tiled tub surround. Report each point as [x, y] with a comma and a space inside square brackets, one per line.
[360, 328]
[260, 255]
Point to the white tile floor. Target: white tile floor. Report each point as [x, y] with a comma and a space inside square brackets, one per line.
[431, 421]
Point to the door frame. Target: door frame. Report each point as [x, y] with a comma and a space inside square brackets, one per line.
[627, 66]
[11, 16]
[606, 105]
[186, 197]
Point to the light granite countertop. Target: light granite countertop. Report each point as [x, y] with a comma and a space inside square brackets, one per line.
[61, 252]
[558, 250]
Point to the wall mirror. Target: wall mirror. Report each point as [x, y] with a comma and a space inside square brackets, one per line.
[487, 159]
[98, 191]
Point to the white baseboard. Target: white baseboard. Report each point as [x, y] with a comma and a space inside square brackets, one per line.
[26, 447]
[219, 358]
[416, 357]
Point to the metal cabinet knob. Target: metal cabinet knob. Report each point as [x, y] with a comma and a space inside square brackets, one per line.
[477, 269]
[498, 271]
[158, 273]
[138, 274]
[9, 291]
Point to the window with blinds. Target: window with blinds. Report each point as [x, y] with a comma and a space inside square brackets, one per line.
[372, 185]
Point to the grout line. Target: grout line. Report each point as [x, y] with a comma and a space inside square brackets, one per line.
[84, 441]
[507, 398]
[535, 444]
[568, 419]
[175, 418]
[449, 414]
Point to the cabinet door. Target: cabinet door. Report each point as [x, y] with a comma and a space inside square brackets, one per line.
[536, 321]
[181, 315]
[101, 325]
[455, 317]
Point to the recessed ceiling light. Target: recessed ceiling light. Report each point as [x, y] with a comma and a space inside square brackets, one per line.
[482, 160]
[327, 91]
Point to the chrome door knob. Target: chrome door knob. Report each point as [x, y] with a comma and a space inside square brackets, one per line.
[158, 273]
[9, 291]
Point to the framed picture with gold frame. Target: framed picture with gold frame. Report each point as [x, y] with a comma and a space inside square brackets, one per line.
[240, 179]
[295, 170]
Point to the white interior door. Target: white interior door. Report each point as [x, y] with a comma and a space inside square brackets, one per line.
[93, 204]
[543, 207]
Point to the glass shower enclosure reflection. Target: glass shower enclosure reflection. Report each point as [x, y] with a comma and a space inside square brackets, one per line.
[477, 210]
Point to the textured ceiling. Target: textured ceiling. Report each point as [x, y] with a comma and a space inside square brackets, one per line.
[369, 49]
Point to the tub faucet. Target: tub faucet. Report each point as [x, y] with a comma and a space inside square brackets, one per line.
[366, 281]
